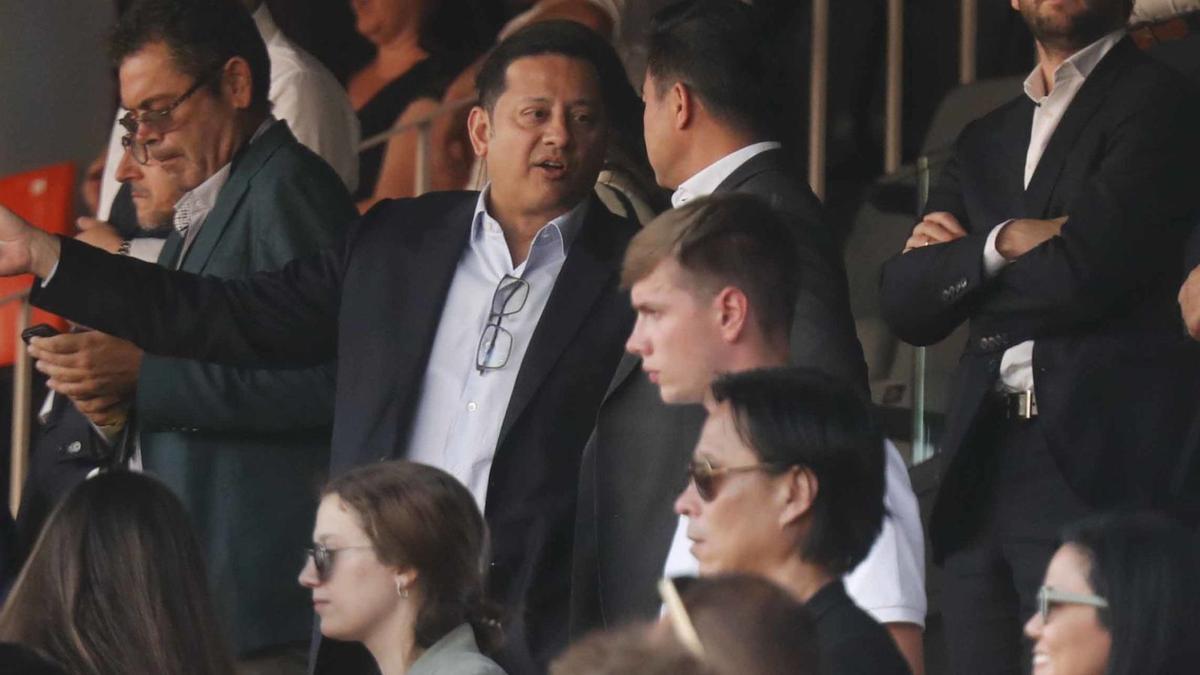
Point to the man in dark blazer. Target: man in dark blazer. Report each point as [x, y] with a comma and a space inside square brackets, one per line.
[386, 301]
[1057, 231]
[706, 131]
[244, 449]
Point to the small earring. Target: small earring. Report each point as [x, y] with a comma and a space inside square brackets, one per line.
[401, 590]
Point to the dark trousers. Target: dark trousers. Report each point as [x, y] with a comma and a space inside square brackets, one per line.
[990, 584]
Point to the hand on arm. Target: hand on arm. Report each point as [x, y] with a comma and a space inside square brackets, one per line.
[938, 227]
[1024, 234]
[1189, 303]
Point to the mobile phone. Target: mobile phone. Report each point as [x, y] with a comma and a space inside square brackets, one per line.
[40, 330]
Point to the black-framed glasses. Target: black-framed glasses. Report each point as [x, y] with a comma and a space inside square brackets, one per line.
[159, 121]
[1048, 597]
[706, 477]
[139, 150]
[495, 345]
[322, 557]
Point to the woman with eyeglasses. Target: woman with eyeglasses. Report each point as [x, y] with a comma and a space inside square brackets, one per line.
[115, 585]
[397, 564]
[1120, 597]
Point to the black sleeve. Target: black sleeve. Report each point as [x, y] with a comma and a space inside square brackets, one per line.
[285, 317]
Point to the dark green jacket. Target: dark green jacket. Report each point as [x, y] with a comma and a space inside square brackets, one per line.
[246, 450]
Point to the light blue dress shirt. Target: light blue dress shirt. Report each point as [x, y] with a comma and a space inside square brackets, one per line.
[458, 418]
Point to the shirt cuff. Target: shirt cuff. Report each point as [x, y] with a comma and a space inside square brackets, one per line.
[48, 277]
[993, 262]
[146, 249]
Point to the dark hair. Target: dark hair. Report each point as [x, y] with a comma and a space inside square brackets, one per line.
[800, 416]
[116, 584]
[1148, 568]
[421, 517]
[750, 626]
[717, 49]
[202, 35]
[725, 239]
[564, 38]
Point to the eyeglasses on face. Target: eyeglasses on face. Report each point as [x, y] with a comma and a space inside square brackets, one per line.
[139, 150]
[495, 345]
[1048, 597]
[707, 478]
[159, 121]
[322, 557]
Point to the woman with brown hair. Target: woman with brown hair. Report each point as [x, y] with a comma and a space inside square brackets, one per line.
[397, 563]
[116, 584]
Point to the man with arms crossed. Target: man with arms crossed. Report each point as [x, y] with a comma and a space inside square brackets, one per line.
[1057, 232]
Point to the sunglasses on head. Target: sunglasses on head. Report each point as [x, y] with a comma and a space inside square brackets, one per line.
[706, 477]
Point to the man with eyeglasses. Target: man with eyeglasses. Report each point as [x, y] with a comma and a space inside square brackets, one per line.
[786, 481]
[302, 92]
[474, 332]
[241, 446]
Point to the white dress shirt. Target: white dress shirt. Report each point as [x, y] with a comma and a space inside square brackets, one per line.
[889, 583]
[1016, 366]
[302, 92]
[458, 419]
[708, 179]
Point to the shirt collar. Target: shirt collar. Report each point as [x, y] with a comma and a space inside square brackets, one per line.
[195, 205]
[563, 229]
[265, 22]
[708, 179]
[1081, 64]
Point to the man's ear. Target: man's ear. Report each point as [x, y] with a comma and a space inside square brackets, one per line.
[479, 128]
[732, 309]
[683, 104]
[237, 82]
[800, 491]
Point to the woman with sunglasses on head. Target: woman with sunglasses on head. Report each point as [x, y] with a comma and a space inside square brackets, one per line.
[115, 584]
[1121, 597]
[787, 482]
[397, 564]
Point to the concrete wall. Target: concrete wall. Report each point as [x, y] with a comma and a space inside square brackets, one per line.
[56, 89]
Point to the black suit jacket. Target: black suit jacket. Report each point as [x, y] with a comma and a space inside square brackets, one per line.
[633, 466]
[376, 301]
[1115, 376]
[66, 448]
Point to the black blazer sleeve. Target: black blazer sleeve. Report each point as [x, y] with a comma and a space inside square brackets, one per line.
[1123, 225]
[287, 317]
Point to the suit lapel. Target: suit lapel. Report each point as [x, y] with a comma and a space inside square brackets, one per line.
[423, 285]
[245, 166]
[585, 274]
[629, 365]
[1085, 104]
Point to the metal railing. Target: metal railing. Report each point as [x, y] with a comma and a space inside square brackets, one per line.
[22, 392]
[423, 157]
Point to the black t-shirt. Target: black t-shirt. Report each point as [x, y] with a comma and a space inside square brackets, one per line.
[852, 643]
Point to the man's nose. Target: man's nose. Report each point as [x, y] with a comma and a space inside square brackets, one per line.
[688, 501]
[636, 344]
[127, 168]
[558, 130]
